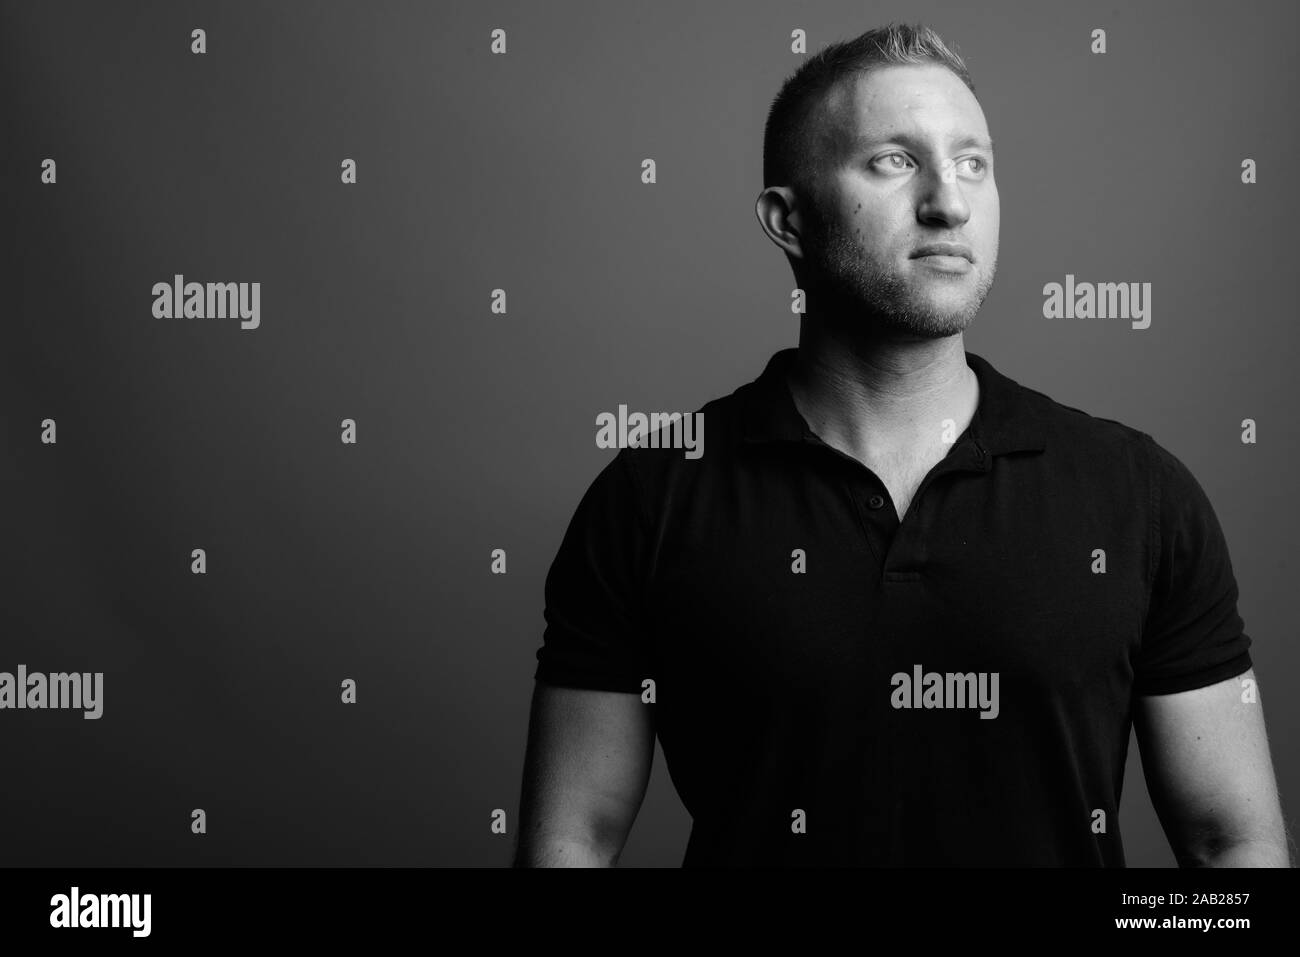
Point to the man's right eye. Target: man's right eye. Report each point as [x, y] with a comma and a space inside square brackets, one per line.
[888, 158]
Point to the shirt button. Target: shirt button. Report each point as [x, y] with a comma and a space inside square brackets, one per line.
[875, 501]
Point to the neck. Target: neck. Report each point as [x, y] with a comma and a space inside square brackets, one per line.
[877, 398]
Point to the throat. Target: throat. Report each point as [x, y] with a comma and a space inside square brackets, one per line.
[902, 474]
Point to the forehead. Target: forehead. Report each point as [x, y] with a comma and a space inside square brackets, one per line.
[923, 101]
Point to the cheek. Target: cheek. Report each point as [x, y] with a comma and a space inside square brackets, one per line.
[992, 207]
[868, 227]
[986, 220]
[991, 237]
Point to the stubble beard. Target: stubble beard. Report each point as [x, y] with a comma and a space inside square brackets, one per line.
[853, 287]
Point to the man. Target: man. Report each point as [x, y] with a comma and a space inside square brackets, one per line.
[903, 610]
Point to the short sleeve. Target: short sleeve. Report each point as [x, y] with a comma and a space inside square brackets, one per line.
[595, 630]
[1193, 635]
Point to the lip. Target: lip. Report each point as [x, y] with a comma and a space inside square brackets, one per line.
[944, 249]
[952, 264]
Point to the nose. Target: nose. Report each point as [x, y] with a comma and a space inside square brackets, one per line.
[942, 201]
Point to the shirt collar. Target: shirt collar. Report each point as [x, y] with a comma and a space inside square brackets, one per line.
[1007, 419]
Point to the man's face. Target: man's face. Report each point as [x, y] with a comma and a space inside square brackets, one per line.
[908, 162]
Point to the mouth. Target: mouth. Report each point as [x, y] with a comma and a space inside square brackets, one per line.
[950, 251]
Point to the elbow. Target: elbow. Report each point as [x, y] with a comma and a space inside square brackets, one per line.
[1217, 848]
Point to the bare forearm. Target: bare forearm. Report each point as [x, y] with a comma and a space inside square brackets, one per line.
[561, 852]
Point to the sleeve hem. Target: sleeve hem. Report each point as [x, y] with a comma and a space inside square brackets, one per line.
[590, 681]
[1154, 503]
[1172, 684]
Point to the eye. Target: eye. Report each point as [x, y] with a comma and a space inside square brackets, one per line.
[975, 159]
[890, 157]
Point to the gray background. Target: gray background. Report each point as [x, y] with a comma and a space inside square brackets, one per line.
[476, 431]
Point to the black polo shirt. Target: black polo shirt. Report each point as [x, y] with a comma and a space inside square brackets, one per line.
[770, 592]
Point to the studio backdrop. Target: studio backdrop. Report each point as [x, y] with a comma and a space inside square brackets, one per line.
[301, 536]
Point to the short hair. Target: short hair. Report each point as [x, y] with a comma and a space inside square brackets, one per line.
[792, 154]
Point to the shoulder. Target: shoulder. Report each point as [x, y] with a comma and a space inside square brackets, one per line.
[1108, 452]
[679, 449]
[1084, 432]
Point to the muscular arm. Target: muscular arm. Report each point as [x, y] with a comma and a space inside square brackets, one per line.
[1206, 760]
[586, 768]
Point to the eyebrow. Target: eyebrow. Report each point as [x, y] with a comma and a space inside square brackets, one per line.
[961, 142]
